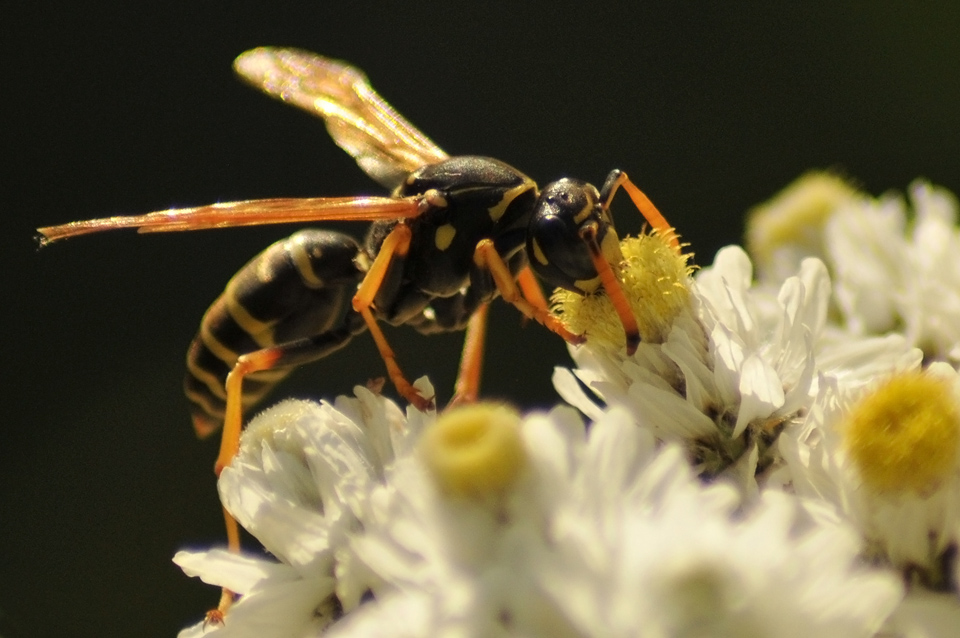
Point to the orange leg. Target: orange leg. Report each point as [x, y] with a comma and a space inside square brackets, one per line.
[467, 389]
[486, 256]
[230, 444]
[612, 287]
[471, 362]
[396, 243]
[650, 212]
[531, 289]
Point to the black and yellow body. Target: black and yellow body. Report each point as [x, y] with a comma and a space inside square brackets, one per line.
[298, 291]
[454, 233]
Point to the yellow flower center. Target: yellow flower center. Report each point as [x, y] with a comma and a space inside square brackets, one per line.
[475, 450]
[656, 281]
[904, 435]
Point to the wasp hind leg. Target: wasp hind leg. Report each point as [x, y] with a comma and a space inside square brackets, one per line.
[281, 356]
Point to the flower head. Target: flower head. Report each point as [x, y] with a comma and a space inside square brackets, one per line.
[300, 484]
[904, 434]
[893, 266]
[788, 228]
[886, 456]
[474, 450]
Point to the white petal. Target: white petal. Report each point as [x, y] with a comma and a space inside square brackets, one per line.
[289, 531]
[571, 391]
[237, 572]
[761, 392]
[280, 610]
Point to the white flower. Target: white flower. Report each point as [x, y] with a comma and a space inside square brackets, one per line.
[886, 457]
[732, 369]
[643, 548]
[894, 268]
[744, 360]
[277, 599]
[895, 275]
[462, 563]
[604, 535]
[788, 228]
[300, 483]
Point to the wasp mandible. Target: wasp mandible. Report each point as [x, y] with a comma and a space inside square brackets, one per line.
[454, 233]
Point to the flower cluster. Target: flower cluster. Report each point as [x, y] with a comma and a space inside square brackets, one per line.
[779, 457]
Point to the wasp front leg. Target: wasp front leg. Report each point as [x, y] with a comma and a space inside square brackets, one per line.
[618, 179]
[486, 257]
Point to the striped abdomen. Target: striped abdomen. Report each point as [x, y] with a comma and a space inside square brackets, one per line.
[298, 288]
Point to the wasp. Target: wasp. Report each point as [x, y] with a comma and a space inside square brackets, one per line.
[455, 232]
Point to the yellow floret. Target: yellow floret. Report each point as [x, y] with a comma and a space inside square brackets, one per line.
[474, 451]
[904, 435]
[656, 281]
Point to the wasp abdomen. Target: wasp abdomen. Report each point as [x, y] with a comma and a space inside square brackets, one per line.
[299, 287]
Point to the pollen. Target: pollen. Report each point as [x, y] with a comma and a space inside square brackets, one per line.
[475, 451]
[655, 277]
[904, 435]
[796, 215]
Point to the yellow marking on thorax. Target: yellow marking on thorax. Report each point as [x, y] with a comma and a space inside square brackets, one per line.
[444, 236]
[497, 211]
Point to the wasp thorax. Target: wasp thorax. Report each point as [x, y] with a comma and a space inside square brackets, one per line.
[559, 254]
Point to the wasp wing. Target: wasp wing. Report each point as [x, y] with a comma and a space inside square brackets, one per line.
[386, 146]
[252, 212]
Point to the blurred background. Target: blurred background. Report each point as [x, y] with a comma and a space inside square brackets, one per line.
[114, 108]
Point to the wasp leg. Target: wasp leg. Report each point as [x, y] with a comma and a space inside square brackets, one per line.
[617, 179]
[612, 287]
[285, 355]
[531, 289]
[395, 245]
[467, 388]
[486, 256]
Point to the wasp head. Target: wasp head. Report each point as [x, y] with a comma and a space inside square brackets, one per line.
[568, 231]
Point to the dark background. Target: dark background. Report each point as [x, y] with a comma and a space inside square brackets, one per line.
[116, 109]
